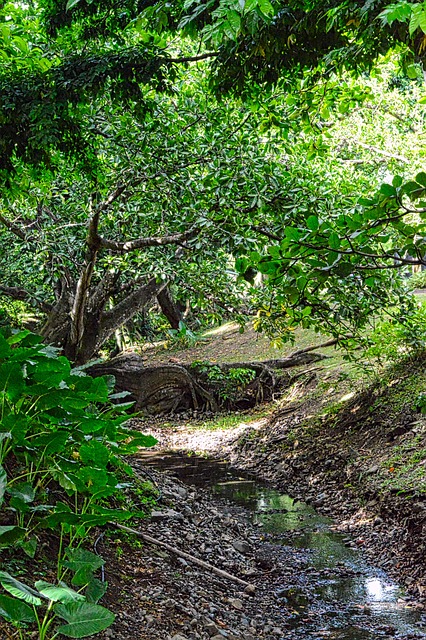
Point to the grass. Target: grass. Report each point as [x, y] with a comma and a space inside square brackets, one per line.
[230, 420]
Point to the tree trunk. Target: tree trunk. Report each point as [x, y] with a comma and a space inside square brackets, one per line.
[169, 308]
[96, 323]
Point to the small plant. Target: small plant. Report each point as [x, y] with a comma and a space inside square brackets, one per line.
[46, 603]
[232, 382]
[183, 337]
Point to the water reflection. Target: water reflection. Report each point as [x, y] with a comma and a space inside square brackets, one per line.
[335, 594]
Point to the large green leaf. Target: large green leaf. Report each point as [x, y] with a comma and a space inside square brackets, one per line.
[24, 491]
[15, 610]
[11, 380]
[83, 618]
[95, 590]
[19, 589]
[10, 534]
[84, 563]
[58, 593]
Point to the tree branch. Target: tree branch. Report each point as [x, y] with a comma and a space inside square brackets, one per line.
[16, 293]
[17, 231]
[126, 309]
[143, 243]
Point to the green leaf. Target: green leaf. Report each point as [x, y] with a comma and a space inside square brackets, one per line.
[312, 223]
[58, 593]
[11, 380]
[266, 7]
[14, 610]
[334, 240]
[71, 4]
[96, 452]
[234, 19]
[250, 5]
[51, 442]
[344, 269]
[84, 619]
[421, 178]
[23, 491]
[84, 563]
[388, 190]
[95, 590]
[4, 347]
[19, 590]
[10, 534]
[29, 547]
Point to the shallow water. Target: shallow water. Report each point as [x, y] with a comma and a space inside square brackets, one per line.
[335, 593]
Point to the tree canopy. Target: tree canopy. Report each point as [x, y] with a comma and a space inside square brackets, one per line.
[147, 145]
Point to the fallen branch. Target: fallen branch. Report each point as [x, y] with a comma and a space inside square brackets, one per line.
[183, 554]
[329, 343]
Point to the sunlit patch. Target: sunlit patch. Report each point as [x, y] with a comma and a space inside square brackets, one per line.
[347, 397]
[377, 590]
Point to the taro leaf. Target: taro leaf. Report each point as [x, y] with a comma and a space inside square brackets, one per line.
[51, 371]
[18, 336]
[96, 452]
[10, 534]
[11, 380]
[93, 479]
[56, 593]
[95, 590]
[23, 491]
[19, 505]
[64, 480]
[19, 590]
[52, 443]
[17, 425]
[84, 563]
[4, 347]
[14, 610]
[3, 483]
[84, 619]
[29, 547]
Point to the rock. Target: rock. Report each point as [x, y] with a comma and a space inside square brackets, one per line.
[168, 514]
[250, 589]
[241, 546]
[178, 636]
[236, 603]
[373, 469]
[211, 628]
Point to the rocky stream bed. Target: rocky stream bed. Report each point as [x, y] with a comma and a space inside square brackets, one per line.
[303, 578]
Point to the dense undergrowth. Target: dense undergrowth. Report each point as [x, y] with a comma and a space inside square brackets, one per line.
[63, 438]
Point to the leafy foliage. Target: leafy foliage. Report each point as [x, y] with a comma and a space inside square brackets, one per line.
[60, 436]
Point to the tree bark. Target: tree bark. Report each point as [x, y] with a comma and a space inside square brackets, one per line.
[169, 308]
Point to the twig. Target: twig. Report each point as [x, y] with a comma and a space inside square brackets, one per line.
[183, 554]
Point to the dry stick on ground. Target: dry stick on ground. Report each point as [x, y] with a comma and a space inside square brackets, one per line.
[183, 554]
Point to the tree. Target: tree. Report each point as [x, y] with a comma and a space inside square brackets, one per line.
[75, 110]
[168, 203]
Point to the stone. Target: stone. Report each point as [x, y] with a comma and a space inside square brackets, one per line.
[168, 514]
[241, 546]
[211, 629]
[236, 603]
[250, 589]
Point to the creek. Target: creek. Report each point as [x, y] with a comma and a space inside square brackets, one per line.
[333, 591]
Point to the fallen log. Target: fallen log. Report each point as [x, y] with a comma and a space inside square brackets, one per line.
[203, 386]
[186, 556]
